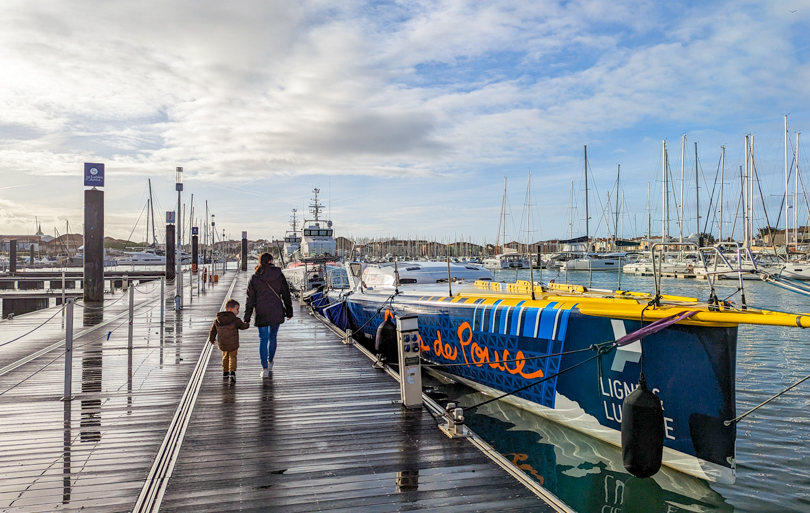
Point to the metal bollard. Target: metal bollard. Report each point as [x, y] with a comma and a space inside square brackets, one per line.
[162, 299]
[67, 396]
[131, 310]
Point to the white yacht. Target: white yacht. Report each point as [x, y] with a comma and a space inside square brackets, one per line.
[507, 261]
[413, 273]
[145, 257]
[595, 262]
[569, 252]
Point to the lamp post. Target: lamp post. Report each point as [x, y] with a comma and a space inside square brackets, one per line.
[179, 187]
[213, 245]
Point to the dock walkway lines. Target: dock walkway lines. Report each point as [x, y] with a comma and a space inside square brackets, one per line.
[324, 433]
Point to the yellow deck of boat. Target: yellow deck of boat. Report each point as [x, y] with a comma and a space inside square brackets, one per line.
[620, 304]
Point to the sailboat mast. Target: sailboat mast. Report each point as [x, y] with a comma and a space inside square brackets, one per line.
[587, 232]
[571, 213]
[500, 219]
[746, 235]
[796, 197]
[152, 209]
[616, 224]
[680, 210]
[787, 193]
[649, 216]
[697, 202]
[528, 220]
[751, 191]
[722, 173]
[664, 192]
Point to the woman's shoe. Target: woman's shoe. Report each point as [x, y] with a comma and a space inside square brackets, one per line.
[233, 376]
[270, 366]
[226, 375]
[265, 374]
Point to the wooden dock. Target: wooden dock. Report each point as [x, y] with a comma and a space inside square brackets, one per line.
[155, 426]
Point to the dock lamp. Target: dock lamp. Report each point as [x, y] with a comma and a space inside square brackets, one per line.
[178, 185]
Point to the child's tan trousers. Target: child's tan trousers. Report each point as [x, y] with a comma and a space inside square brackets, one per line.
[229, 361]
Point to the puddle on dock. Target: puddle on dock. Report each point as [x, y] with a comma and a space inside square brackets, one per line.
[585, 473]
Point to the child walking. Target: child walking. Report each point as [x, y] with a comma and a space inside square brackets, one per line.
[226, 328]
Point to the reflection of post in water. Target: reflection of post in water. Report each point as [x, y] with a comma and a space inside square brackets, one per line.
[408, 477]
[93, 313]
[178, 332]
[66, 480]
[91, 387]
[129, 381]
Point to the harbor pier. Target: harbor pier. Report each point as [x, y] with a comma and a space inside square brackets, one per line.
[152, 425]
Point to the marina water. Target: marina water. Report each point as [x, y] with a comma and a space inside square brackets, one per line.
[773, 444]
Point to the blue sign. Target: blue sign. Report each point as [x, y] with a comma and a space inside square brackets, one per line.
[93, 175]
[170, 217]
[195, 230]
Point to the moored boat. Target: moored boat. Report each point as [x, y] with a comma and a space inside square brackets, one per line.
[499, 337]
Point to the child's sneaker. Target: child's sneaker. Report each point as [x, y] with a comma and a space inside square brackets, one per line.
[265, 374]
[233, 376]
[270, 366]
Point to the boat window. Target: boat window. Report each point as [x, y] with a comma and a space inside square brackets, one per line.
[412, 269]
[406, 281]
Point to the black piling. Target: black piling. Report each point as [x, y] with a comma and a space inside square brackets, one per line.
[31, 255]
[170, 261]
[12, 256]
[93, 245]
[244, 251]
[194, 252]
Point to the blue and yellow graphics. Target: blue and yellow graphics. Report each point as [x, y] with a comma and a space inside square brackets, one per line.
[496, 338]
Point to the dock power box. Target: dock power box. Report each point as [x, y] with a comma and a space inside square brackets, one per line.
[410, 372]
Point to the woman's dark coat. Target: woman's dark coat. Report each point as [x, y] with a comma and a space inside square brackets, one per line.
[271, 306]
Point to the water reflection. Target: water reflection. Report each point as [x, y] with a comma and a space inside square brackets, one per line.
[585, 473]
[93, 313]
[66, 446]
[91, 402]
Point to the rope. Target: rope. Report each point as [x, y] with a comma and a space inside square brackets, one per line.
[389, 299]
[507, 361]
[600, 348]
[33, 330]
[760, 405]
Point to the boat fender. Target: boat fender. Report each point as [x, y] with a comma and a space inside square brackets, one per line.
[386, 340]
[642, 431]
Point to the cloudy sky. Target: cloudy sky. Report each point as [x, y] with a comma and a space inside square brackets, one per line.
[406, 114]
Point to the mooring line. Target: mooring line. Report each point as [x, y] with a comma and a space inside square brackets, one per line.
[158, 478]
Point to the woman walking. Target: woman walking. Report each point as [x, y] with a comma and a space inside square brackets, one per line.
[269, 294]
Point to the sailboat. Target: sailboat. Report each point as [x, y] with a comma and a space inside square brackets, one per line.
[505, 259]
[591, 261]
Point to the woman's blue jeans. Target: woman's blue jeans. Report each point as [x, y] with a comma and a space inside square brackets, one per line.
[267, 343]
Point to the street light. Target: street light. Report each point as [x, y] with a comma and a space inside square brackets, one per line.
[178, 185]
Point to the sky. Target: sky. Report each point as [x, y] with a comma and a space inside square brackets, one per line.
[407, 115]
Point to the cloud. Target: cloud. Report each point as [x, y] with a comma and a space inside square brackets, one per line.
[282, 92]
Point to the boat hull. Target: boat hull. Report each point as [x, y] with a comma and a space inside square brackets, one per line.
[691, 368]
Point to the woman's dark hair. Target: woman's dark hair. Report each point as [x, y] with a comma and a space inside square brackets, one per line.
[264, 260]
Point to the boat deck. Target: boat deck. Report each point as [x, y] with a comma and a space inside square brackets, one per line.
[156, 426]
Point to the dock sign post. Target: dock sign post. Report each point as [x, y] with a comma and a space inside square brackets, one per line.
[93, 175]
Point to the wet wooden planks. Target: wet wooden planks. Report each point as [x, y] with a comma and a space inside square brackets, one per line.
[94, 452]
[325, 434]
